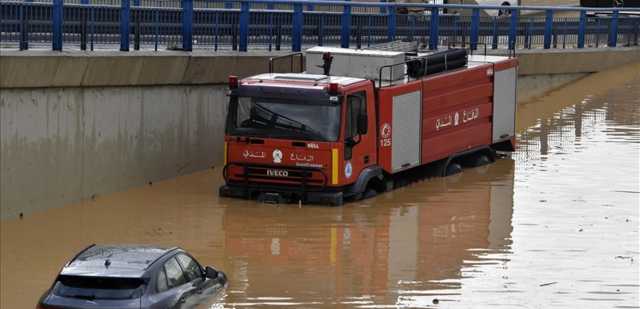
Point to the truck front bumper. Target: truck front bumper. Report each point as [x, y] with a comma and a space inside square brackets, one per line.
[278, 194]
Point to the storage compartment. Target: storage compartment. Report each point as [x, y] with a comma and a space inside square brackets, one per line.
[406, 130]
[355, 62]
[504, 104]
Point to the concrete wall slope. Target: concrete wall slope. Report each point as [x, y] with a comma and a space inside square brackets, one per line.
[76, 125]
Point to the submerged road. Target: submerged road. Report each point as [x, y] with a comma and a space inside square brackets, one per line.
[555, 225]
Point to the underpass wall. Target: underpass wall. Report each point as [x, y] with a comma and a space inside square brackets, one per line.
[60, 145]
[74, 126]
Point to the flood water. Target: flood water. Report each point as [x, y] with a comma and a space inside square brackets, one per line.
[555, 225]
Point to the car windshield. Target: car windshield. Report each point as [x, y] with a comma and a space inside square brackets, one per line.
[279, 118]
[90, 288]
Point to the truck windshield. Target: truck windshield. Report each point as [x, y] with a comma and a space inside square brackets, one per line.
[280, 118]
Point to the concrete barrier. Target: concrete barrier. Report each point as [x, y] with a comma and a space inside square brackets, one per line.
[77, 125]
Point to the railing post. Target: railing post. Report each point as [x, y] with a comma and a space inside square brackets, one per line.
[548, 29]
[187, 24]
[581, 28]
[244, 26]
[311, 7]
[83, 25]
[58, 6]
[136, 18]
[494, 39]
[24, 36]
[433, 36]
[321, 30]
[475, 26]
[125, 11]
[345, 30]
[513, 29]
[296, 31]
[613, 31]
[391, 23]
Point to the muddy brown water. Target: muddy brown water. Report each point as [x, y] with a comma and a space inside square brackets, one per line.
[555, 225]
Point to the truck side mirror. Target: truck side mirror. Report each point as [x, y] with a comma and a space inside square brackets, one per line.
[362, 124]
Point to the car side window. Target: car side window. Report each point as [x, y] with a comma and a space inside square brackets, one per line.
[191, 267]
[161, 281]
[175, 275]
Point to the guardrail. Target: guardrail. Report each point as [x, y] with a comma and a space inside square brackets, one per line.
[295, 24]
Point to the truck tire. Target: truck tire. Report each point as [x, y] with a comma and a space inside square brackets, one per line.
[453, 168]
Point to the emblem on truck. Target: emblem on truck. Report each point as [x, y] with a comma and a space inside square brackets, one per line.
[385, 135]
[277, 173]
[277, 156]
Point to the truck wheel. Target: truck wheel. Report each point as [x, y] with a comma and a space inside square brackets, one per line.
[481, 160]
[453, 168]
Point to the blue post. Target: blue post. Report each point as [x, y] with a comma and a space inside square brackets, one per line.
[57, 24]
[581, 27]
[548, 29]
[383, 8]
[187, 25]
[270, 6]
[311, 7]
[156, 27]
[87, 1]
[475, 26]
[433, 36]
[391, 24]
[613, 31]
[321, 31]
[125, 11]
[244, 26]
[345, 31]
[296, 31]
[513, 29]
[24, 42]
[494, 41]
[228, 5]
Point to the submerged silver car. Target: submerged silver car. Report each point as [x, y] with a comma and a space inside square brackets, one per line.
[132, 277]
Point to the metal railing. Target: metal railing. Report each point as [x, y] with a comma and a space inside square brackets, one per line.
[295, 24]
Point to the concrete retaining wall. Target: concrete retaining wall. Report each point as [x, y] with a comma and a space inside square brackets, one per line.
[59, 145]
[76, 125]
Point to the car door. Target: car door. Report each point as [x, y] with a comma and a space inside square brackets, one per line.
[172, 287]
[195, 278]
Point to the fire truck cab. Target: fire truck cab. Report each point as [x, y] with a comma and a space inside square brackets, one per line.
[356, 120]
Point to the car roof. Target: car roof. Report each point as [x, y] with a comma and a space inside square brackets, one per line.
[115, 260]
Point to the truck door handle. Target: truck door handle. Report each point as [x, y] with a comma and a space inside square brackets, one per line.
[366, 159]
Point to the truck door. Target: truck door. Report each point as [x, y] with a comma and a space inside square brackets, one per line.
[360, 135]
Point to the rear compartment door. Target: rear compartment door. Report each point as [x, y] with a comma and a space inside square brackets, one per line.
[406, 138]
[504, 104]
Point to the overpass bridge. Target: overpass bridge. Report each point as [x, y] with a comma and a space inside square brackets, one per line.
[270, 25]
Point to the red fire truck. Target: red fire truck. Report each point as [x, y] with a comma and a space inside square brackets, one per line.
[359, 122]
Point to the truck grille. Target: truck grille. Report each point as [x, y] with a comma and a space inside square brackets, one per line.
[275, 175]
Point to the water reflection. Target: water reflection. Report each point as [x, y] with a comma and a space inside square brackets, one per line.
[416, 238]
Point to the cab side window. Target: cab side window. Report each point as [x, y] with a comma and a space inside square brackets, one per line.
[161, 281]
[191, 268]
[175, 275]
[356, 109]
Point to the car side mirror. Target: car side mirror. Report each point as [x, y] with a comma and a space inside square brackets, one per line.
[362, 124]
[210, 273]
